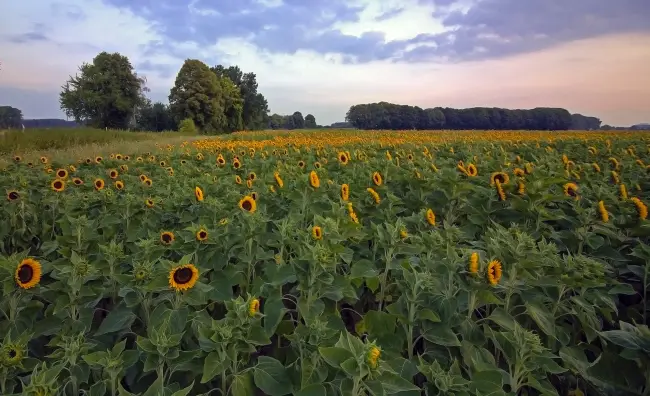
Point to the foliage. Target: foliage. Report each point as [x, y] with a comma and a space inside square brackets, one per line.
[331, 263]
[254, 105]
[10, 117]
[187, 127]
[310, 122]
[155, 117]
[384, 115]
[294, 121]
[105, 94]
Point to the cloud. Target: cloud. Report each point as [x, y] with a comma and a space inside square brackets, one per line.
[321, 56]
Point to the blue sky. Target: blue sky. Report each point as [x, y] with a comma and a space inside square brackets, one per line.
[321, 56]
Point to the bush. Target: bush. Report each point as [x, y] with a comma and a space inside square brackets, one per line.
[187, 127]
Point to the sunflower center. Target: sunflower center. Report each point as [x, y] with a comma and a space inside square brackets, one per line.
[203, 234]
[182, 276]
[57, 184]
[25, 273]
[166, 238]
[246, 205]
[500, 178]
[61, 173]
[13, 195]
[12, 353]
[571, 192]
[77, 181]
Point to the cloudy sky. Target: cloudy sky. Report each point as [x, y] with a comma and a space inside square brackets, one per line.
[321, 56]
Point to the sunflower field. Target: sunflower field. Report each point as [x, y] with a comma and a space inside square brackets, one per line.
[331, 263]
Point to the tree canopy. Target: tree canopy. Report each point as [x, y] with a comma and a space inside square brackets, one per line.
[10, 117]
[105, 93]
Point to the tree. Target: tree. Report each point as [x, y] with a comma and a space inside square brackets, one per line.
[198, 94]
[10, 117]
[233, 104]
[255, 106]
[155, 117]
[310, 122]
[298, 121]
[105, 93]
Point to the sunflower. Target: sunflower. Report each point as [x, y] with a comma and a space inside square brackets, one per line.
[167, 237]
[198, 193]
[254, 195]
[501, 194]
[376, 178]
[614, 177]
[118, 157]
[252, 176]
[595, 167]
[124, 168]
[223, 221]
[571, 190]
[12, 195]
[248, 204]
[388, 156]
[317, 233]
[17, 158]
[99, 184]
[148, 182]
[28, 273]
[113, 174]
[373, 357]
[119, 185]
[604, 216]
[199, 157]
[139, 159]
[238, 179]
[301, 164]
[183, 277]
[345, 192]
[220, 160]
[253, 307]
[58, 185]
[613, 162]
[162, 164]
[201, 235]
[72, 168]
[62, 174]
[343, 158]
[641, 208]
[143, 177]
[236, 164]
[314, 181]
[431, 217]
[403, 233]
[501, 177]
[43, 160]
[149, 203]
[249, 183]
[592, 150]
[494, 272]
[521, 188]
[471, 170]
[519, 172]
[98, 159]
[473, 263]
[89, 161]
[11, 354]
[375, 196]
[278, 179]
[528, 168]
[623, 191]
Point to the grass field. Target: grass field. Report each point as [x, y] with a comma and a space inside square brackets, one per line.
[329, 263]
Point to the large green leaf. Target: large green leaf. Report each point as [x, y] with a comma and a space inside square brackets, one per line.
[335, 356]
[272, 377]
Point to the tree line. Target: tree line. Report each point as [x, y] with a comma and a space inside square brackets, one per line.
[385, 115]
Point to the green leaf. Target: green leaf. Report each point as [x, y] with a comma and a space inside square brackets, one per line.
[393, 383]
[427, 314]
[502, 318]
[312, 390]
[184, 391]
[623, 288]
[363, 269]
[335, 356]
[621, 338]
[98, 389]
[274, 311]
[94, 358]
[378, 323]
[242, 385]
[272, 377]
[440, 334]
[542, 317]
[156, 389]
[212, 365]
[118, 319]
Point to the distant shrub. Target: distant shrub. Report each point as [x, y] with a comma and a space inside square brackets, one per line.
[187, 127]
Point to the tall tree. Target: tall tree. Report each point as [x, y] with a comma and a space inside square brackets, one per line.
[298, 120]
[10, 117]
[233, 104]
[105, 93]
[198, 95]
[310, 121]
[255, 107]
[155, 117]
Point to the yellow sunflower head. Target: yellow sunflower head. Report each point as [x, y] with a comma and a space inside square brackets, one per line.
[345, 192]
[98, 159]
[343, 158]
[431, 217]
[198, 193]
[471, 170]
[148, 182]
[149, 203]
[28, 273]
[202, 235]
[113, 174]
[317, 233]
[238, 179]
[58, 185]
[314, 181]
[99, 184]
[183, 277]
[252, 176]
[501, 177]
[248, 204]
[473, 263]
[494, 272]
[571, 190]
[62, 173]
[167, 237]
[119, 184]
[376, 178]
[253, 307]
[13, 195]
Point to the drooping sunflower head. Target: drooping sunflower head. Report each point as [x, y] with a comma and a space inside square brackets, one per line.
[528, 168]
[249, 183]
[494, 272]
[473, 263]
[167, 237]
[248, 204]
[613, 162]
[519, 172]
[28, 273]
[202, 235]
[571, 190]
[62, 173]
[375, 196]
[602, 210]
[148, 182]
[99, 184]
[198, 193]
[501, 177]
[149, 203]
[124, 168]
[343, 158]
[98, 160]
[345, 192]
[403, 234]
[13, 195]
[236, 164]
[314, 181]
[431, 217]
[372, 357]
[183, 277]
[592, 150]
[238, 179]
[143, 177]
[58, 185]
[252, 176]
[317, 233]
[278, 179]
[641, 208]
[253, 307]
[376, 178]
